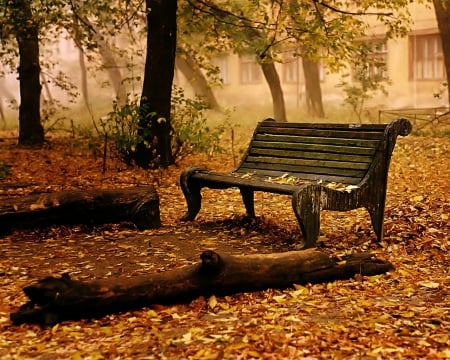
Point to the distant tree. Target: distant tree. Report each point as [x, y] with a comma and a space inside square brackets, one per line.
[24, 27]
[442, 10]
[313, 92]
[192, 71]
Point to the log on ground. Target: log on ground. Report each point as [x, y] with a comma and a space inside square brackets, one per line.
[139, 205]
[52, 300]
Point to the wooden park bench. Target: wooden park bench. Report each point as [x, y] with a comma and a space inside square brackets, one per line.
[322, 166]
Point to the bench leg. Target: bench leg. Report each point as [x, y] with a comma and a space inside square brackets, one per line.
[377, 217]
[192, 195]
[248, 196]
[306, 205]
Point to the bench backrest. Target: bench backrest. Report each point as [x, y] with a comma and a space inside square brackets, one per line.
[329, 152]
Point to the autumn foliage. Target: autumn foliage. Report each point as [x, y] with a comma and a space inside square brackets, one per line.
[402, 314]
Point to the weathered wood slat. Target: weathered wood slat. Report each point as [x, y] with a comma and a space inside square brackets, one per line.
[307, 177]
[370, 135]
[298, 171]
[316, 155]
[332, 142]
[329, 126]
[316, 163]
[356, 155]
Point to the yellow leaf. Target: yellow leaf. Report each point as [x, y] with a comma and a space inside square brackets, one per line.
[37, 206]
[187, 337]
[429, 284]
[418, 198]
[254, 353]
[152, 313]
[280, 298]
[77, 356]
[212, 302]
[408, 314]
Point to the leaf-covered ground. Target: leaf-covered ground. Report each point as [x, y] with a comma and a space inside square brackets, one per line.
[404, 314]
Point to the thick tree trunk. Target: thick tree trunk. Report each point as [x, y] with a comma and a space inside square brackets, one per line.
[56, 299]
[273, 80]
[31, 131]
[138, 205]
[313, 92]
[442, 10]
[155, 127]
[196, 79]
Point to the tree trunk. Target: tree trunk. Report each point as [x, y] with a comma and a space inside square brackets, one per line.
[313, 93]
[56, 299]
[138, 205]
[273, 80]
[155, 127]
[31, 131]
[196, 79]
[442, 10]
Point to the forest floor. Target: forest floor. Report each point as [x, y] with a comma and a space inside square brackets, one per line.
[404, 314]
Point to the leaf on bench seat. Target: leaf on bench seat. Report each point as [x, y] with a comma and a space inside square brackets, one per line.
[341, 187]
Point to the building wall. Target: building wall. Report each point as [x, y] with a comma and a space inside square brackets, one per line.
[404, 91]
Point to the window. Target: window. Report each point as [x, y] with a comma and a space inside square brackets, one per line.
[221, 62]
[290, 68]
[426, 57]
[377, 56]
[250, 70]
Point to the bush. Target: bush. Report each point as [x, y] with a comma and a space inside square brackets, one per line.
[190, 130]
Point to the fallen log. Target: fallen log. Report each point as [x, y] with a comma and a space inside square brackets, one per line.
[138, 205]
[52, 300]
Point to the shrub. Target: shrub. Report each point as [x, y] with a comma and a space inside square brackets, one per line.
[190, 130]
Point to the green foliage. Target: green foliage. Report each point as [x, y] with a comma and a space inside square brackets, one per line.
[191, 132]
[4, 170]
[367, 78]
[121, 126]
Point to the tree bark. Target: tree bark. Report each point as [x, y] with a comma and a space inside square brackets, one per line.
[56, 299]
[31, 131]
[313, 93]
[442, 10]
[273, 80]
[196, 79]
[138, 205]
[155, 127]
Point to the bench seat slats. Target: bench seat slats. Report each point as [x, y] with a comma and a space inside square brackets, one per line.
[326, 178]
[257, 183]
[299, 171]
[313, 163]
[370, 135]
[304, 141]
[323, 148]
[325, 126]
[313, 155]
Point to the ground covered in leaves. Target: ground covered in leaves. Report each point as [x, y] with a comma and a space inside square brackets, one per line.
[404, 314]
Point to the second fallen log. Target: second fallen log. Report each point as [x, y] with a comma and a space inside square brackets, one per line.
[55, 299]
[139, 205]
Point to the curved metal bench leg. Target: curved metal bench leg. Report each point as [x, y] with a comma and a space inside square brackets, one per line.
[248, 196]
[377, 217]
[192, 195]
[306, 205]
